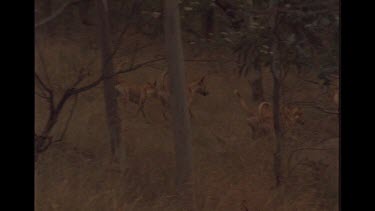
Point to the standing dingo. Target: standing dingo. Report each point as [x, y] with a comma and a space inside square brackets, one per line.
[261, 121]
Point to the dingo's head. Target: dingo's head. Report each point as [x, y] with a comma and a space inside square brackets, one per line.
[265, 110]
[151, 88]
[295, 115]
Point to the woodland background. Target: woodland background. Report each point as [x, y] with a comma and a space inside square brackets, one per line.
[249, 45]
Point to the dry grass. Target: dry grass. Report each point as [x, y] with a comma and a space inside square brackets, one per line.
[231, 169]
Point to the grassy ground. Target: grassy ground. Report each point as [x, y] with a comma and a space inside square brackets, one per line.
[231, 169]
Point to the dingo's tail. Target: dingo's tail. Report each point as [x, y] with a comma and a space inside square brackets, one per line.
[163, 81]
[265, 110]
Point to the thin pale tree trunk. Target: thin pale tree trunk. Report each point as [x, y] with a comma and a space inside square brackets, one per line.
[181, 121]
[113, 121]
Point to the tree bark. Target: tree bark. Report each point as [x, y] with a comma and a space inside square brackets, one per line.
[83, 10]
[257, 84]
[276, 75]
[181, 121]
[278, 130]
[113, 121]
[208, 18]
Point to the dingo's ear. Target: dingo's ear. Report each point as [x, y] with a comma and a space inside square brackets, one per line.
[119, 90]
[202, 79]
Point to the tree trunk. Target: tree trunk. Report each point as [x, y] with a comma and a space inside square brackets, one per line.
[181, 122]
[278, 130]
[208, 17]
[257, 84]
[113, 121]
[276, 75]
[83, 10]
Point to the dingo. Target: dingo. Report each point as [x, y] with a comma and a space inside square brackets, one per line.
[195, 87]
[261, 122]
[137, 94]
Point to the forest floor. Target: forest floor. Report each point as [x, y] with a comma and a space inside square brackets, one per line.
[231, 169]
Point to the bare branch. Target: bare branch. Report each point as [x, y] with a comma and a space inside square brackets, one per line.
[206, 60]
[54, 111]
[41, 95]
[290, 170]
[297, 9]
[43, 85]
[56, 13]
[135, 53]
[314, 4]
[80, 78]
[306, 13]
[43, 63]
[117, 46]
[309, 81]
[314, 105]
[119, 39]
[41, 144]
[93, 84]
[303, 149]
[326, 110]
[69, 118]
